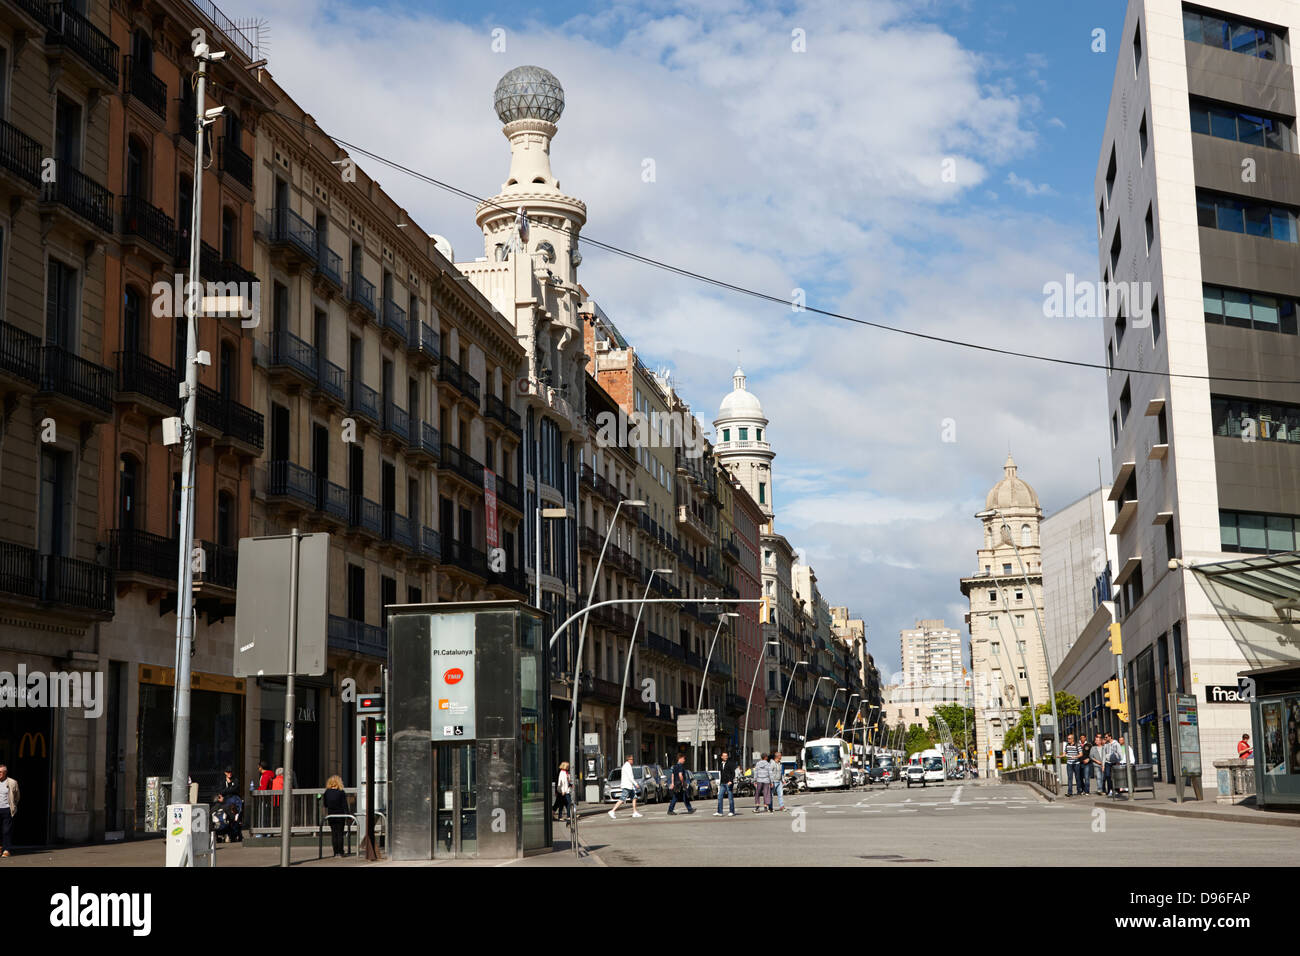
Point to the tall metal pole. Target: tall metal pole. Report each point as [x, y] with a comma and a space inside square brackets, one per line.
[748, 706]
[812, 700]
[189, 391]
[831, 709]
[537, 534]
[290, 707]
[780, 730]
[704, 681]
[845, 721]
[627, 667]
[582, 638]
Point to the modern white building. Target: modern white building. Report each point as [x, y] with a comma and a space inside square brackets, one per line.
[931, 654]
[1079, 559]
[1197, 192]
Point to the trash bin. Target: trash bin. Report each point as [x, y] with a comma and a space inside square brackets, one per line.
[1144, 778]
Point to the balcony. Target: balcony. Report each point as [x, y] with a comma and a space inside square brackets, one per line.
[294, 355]
[462, 465]
[237, 163]
[513, 579]
[361, 294]
[329, 266]
[429, 545]
[423, 439]
[399, 530]
[291, 235]
[139, 553]
[292, 482]
[395, 320]
[140, 378]
[20, 356]
[69, 376]
[63, 583]
[363, 400]
[499, 411]
[397, 422]
[36, 12]
[687, 517]
[661, 645]
[512, 496]
[422, 340]
[229, 419]
[330, 380]
[366, 516]
[148, 222]
[69, 30]
[450, 372]
[140, 82]
[79, 194]
[730, 549]
[220, 567]
[464, 556]
[357, 637]
[20, 155]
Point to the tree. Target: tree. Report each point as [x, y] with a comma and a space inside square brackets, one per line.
[918, 739]
[952, 714]
[1067, 705]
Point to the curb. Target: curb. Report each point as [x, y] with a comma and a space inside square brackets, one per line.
[1270, 819]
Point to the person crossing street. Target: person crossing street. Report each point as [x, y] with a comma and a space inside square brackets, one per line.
[681, 787]
[727, 784]
[627, 783]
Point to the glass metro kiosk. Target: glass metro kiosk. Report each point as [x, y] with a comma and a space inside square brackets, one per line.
[466, 728]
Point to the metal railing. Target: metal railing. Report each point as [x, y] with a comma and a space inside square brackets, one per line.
[330, 379]
[140, 552]
[289, 351]
[55, 579]
[450, 371]
[288, 229]
[464, 556]
[238, 163]
[362, 292]
[425, 438]
[367, 515]
[140, 218]
[20, 154]
[398, 529]
[395, 318]
[1042, 776]
[346, 634]
[422, 339]
[429, 544]
[329, 263]
[20, 353]
[363, 400]
[81, 194]
[139, 81]
[396, 421]
[71, 375]
[221, 565]
[287, 479]
[70, 29]
[462, 464]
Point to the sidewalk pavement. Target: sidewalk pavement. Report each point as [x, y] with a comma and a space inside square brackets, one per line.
[1165, 802]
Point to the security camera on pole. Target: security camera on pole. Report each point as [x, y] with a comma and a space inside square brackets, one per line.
[182, 432]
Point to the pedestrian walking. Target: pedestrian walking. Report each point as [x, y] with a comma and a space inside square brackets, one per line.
[778, 781]
[563, 788]
[1244, 750]
[727, 783]
[264, 776]
[1085, 765]
[336, 807]
[1110, 752]
[681, 787]
[8, 808]
[1072, 753]
[1125, 753]
[763, 784]
[627, 782]
[1097, 760]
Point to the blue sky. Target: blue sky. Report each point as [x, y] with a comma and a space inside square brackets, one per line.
[780, 170]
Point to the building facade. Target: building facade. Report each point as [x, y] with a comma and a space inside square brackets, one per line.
[931, 654]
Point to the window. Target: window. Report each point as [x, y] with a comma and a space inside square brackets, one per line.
[1228, 122]
[127, 504]
[62, 286]
[758, 434]
[1006, 569]
[1238, 36]
[67, 134]
[762, 493]
[1114, 429]
[1125, 404]
[1249, 310]
[1241, 531]
[229, 236]
[744, 434]
[993, 595]
[1116, 247]
[1155, 321]
[1020, 594]
[1137, 49]
[1170, 551]
[1142, 141]
[1026, 536]
[132, 314]
[1249, 216]
[54, 521]
[1269, 421]
[1101, 218]
[995, 647]
[1150, 227]
[1121, 326]
[1112, 170]
[726, 434]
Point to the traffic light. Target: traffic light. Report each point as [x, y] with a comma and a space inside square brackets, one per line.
[1116, 646]
[1122, 712]
[1112, 694]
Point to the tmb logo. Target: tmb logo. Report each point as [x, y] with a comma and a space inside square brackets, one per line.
[454, 676]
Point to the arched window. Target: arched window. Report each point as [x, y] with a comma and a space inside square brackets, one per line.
[127, 482]
[1026, 537]
[225, 519]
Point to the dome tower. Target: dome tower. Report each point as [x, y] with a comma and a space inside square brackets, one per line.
[741, 442]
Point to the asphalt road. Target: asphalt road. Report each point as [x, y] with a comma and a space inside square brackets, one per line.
[954, 824]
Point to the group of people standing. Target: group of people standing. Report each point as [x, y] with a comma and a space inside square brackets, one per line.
[1096, 761]
[769, 785]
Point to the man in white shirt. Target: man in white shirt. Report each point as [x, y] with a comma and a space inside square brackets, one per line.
[8, 807]
[627, 781]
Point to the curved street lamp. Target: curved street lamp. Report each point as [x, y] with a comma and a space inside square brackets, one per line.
[704, 682]
[627, 667]
[831, 709]
[752, 684]
[811, 701]
[780, 730]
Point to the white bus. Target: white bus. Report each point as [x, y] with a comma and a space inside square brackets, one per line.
[826, 764]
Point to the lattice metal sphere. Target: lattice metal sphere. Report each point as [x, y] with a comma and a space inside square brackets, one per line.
[528, 92]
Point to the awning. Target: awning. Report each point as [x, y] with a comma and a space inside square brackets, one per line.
[1258, 599]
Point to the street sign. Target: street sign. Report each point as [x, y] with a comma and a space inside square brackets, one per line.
[687, 729]
[262, 611]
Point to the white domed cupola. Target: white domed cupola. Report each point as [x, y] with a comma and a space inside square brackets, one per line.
[741, 441]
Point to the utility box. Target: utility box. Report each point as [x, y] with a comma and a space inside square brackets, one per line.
[467, 731]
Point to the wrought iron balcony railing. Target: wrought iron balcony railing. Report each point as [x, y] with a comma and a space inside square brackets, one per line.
[289, 351]
[81, 194]
[53, 579]
[358, 637]
[138, 374]
[363, 400]
[71, 375]
[139, 81]
[20, 154]
[69, 29]
[329, 264]
[235, 161]
[131, 551]
[422, 339]
[362, 292]
[367, 515]
[395, 318]
[462, 464]
[20, 353]
[397, 422]
[140, 218]
[286, 229]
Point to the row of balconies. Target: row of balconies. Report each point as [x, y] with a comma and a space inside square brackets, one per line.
[57, 582]
[139, 376]
[135, 552]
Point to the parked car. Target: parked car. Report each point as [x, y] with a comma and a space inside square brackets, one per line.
[654, 785]
[715, 776]
[701, 785]
[915, 774]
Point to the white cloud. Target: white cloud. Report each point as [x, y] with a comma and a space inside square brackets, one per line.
[821, 170]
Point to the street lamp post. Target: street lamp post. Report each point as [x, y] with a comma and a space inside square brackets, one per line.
[831, 709]
[812, 700]
[780, 730]
[844, 722]
[752, 684]
[704, 681]
[582, 634]
[627, 666]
